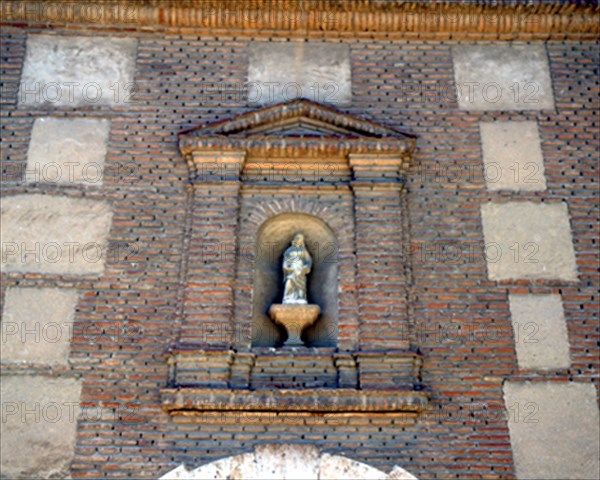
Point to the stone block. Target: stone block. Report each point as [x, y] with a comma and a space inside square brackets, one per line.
[230, 468]
[502, 77]
[554, 429]
[67, 151]
[38, 425]
[37, 325]
[540, 331]
[285, 71]
[335, 467]
[74, 71]
[54, 235]
[286, 461]
[512, 156]
[526, 240]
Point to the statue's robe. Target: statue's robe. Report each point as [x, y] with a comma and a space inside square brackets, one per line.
[296, 265]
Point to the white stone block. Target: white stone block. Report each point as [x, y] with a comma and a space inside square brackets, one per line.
[554, 429]
[54, 235]
[67, 151]
[37, 325]
[502, 77]
[287, 461]
[74, 71]
[285, 71]
[38, 425]
[526, 240]
[512, 156]
[540, 330]
[335, 467]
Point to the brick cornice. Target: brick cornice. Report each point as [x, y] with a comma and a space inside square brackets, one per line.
[473, 20]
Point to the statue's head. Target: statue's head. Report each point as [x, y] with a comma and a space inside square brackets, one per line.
[298, 240]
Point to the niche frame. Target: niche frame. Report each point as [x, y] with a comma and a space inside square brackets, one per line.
[295, 166]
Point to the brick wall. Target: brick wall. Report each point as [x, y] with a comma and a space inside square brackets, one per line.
[460, 319]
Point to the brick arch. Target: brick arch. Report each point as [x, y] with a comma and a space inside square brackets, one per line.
[333, 218]
[287, 461]
[335, 210]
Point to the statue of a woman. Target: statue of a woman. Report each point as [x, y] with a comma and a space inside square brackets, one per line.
[297, 263]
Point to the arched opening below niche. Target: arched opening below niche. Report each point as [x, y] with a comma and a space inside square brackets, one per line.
[273, 237]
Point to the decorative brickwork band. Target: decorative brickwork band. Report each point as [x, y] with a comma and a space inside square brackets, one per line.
[478, 19]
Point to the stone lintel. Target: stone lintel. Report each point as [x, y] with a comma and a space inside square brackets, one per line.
[307, 400]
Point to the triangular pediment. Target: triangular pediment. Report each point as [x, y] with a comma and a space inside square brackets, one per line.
[297, 119]
[295, 129]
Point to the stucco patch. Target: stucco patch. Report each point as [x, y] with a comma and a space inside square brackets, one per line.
[499, 77]
[526, 240]
[50, 234]
[554, 429]
[540, 331]
[285, 71]
[76, 71]
[512, 156]
[37, 324]
[38, 425]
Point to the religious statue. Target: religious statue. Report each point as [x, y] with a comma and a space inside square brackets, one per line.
[297, 264]
[294, 313]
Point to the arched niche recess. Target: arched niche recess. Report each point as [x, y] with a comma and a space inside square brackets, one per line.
[273, 237]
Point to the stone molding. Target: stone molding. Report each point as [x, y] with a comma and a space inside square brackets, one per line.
[315, 400]
[439, 20]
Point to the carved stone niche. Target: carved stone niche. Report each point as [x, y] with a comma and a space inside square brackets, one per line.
[256, 181]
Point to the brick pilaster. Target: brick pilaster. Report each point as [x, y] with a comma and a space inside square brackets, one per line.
[208, 304]
[381, 279]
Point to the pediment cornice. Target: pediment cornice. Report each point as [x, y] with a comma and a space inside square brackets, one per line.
[297, 128]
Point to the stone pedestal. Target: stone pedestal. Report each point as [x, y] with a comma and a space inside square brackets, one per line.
[295, 318]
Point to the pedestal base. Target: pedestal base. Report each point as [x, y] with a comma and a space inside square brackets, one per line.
[295, 318]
